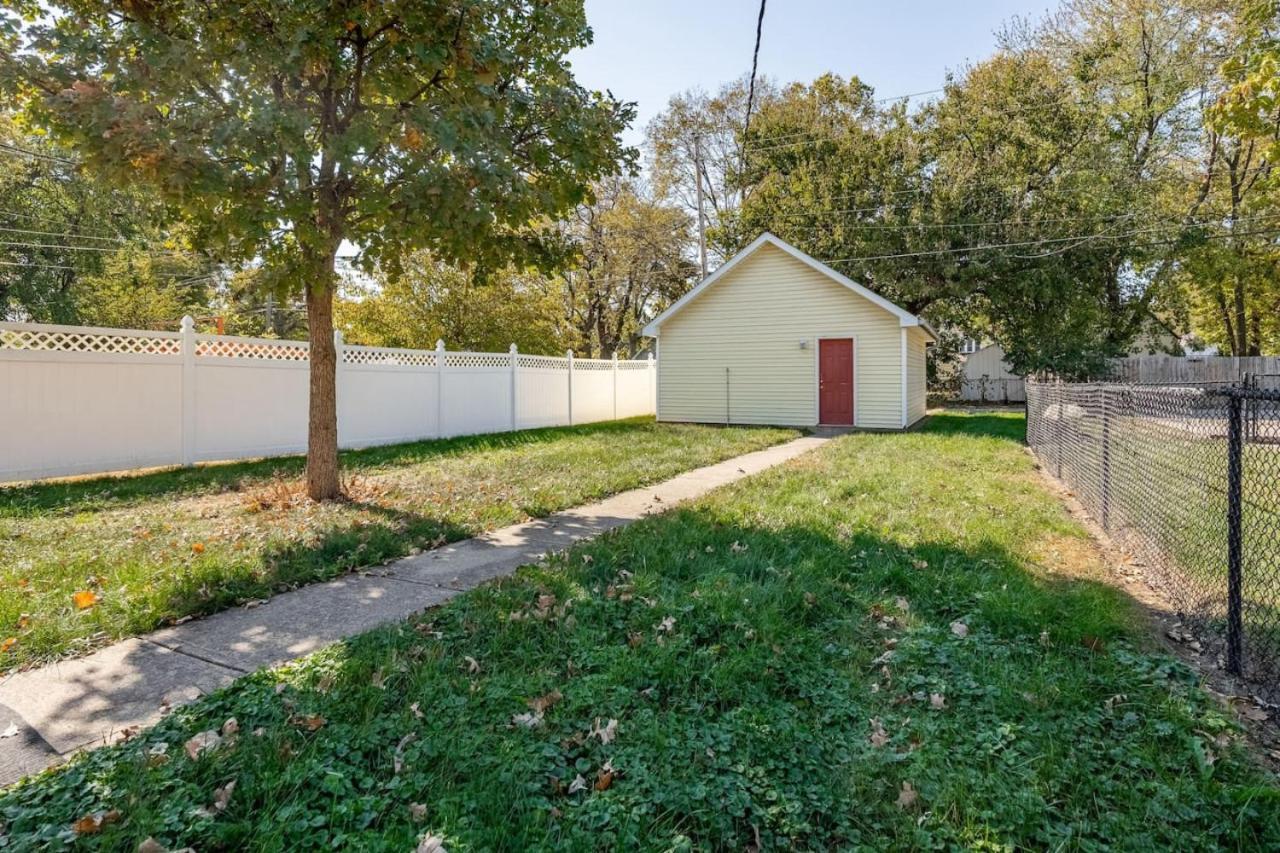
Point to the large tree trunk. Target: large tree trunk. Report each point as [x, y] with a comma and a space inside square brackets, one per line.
[323, 482]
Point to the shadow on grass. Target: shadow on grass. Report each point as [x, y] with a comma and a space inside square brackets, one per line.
[1010, 426]
[747, 718]
[83, 494]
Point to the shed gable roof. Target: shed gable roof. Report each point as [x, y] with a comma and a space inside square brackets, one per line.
[905, 317]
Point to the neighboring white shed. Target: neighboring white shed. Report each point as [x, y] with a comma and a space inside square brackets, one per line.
[776, 337]
[986, 376]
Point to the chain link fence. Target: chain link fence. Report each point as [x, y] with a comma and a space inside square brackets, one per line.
[1187, 478]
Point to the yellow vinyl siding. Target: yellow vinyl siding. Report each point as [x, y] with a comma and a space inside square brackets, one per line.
[917, 393]
[752, 322]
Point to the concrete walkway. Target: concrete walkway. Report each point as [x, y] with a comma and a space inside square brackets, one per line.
[90, 701]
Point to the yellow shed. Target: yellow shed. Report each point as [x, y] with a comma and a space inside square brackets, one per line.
[774, 336]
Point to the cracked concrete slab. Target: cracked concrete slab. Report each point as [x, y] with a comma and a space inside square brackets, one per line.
[90, 700]
[299, 622]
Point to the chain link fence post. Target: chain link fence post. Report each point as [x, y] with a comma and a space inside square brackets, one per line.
[1235, 598]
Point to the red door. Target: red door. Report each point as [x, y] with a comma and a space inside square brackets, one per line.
[835, 381]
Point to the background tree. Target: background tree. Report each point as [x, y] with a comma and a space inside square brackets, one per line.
[629, 264]
[693, 121]
[429, 300]
[59, 225]
[284, 129]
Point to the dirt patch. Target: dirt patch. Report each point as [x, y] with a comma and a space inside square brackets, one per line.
[1102, 559]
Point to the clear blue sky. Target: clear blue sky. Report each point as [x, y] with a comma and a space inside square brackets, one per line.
[648, 50]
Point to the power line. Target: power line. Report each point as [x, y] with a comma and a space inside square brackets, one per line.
[1078, 238]
[755, 59]
[63, 234]
[60, 246]
[36, 266]
[33, 218]
[35, 155]
[771, 143]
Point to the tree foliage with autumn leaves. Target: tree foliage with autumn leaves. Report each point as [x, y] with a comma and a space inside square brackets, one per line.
[284, 130]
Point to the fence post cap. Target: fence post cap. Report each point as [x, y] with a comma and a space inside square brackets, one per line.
[439, 345]
[337, 337]
[615, 355]
[651, 356]
[188, 323]
[513, 349]
[568, 353]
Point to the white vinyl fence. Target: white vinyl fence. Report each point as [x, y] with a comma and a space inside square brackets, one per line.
[79, 400]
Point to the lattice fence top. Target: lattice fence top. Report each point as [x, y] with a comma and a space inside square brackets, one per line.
[544, 362]
[385, 357]
[633, 365]
[592, 364]
[102, 341]
[225, 347]
[477, 359]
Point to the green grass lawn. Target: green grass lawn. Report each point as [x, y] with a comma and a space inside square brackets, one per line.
[151, 549]
[899, 641]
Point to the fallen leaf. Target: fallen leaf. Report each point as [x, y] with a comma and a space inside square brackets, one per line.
[879, 737]
[11, 731]
[150, 845]
[1253, 712]
[325, 684]
[378, 679]
[197, 548]
[230, 727]
[84, 599]
[903, 604]
[93, 823]
[960, 629]
[398, 760]
[737, 547]
[312, 723]
[201, 742]
[529, 720]
[222, 796]
[578, 784]
[907, 796]
[604, 780]
[607, 732]
[417, 812]
[473, 665]
[431, 844]
[937, 701]
[8, 643]
[416, 713]
[1093, 644]
[541, 704]
[23, 621]
[667, 625]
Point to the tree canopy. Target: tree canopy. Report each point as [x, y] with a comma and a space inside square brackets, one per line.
[282, 130]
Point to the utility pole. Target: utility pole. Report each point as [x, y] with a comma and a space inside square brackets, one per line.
[702, 219]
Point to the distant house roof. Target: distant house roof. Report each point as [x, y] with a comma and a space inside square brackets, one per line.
[905, 317]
